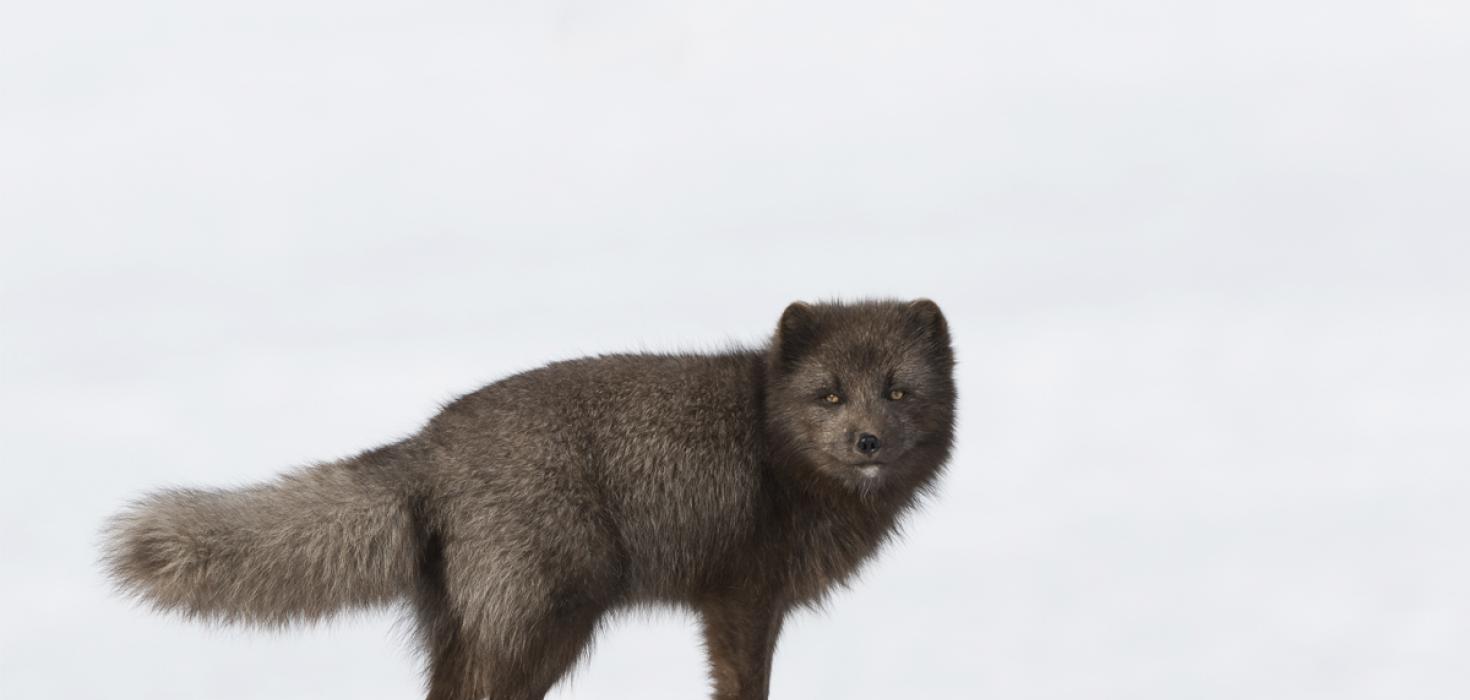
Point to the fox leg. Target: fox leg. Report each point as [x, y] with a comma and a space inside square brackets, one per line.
[466, 664]
[740, 634]
[506, 610]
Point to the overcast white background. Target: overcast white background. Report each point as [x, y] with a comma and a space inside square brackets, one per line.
[1205, 263]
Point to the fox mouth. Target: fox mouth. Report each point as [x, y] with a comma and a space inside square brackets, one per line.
[866, 470]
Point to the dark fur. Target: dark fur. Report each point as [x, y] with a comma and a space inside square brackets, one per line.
[527, 510]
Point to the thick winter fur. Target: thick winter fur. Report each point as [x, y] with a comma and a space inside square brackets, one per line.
[740, 484]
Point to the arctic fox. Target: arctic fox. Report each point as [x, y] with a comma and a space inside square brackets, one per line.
[740, 484]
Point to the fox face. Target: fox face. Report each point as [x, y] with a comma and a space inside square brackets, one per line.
[863, 393]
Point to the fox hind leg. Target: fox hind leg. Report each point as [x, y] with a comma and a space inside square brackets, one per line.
[501, 627]
[469, 664]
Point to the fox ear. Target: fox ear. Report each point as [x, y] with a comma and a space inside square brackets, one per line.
[795, 333]
[930, 321]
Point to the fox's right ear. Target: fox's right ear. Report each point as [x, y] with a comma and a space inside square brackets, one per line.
[796, 332]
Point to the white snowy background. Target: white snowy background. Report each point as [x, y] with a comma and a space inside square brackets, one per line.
[1206, 264]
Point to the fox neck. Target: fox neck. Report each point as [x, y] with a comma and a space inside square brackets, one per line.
[825, 529]
[821, 530]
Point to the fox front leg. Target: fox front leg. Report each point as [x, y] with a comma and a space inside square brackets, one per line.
[740, 637]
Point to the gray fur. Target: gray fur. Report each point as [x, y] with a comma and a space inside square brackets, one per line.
[524, 512]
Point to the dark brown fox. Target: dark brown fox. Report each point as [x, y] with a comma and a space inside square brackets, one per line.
[740, 484]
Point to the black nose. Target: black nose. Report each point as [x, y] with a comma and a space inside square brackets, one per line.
[868, 443]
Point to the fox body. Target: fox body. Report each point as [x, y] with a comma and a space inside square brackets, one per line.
[740, 484]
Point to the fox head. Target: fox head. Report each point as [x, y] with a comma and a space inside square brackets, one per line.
[863, 394]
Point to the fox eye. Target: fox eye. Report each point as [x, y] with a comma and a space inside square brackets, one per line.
[832, 398]
[896, 394]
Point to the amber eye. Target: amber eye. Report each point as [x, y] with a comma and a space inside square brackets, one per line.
[832, 398]
[896, 394]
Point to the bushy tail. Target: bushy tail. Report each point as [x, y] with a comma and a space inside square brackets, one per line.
[324, 537]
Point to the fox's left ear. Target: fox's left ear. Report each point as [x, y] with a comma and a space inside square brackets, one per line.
[929, 320]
